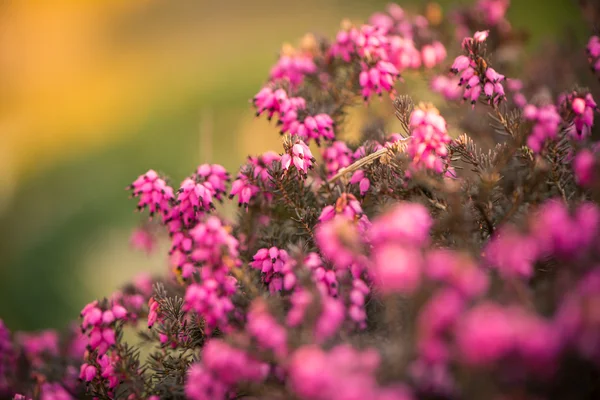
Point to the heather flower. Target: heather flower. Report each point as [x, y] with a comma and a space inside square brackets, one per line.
[546, 126]
[582, 108]
[378, 78]
[476, 75]
[192, 200]
[230, 365]
[436, 318]
[447, 87]
[429, 138]
[585, 167]
[296, 121]
[212, 301]
[403, 53]
[275, 266]
[341, 373]
[270, 101]
[593, 51]
[153, 193]
[485, 334]
[300, 156]
[325, 279]
[54, 391]
[293, 67]
[255, 171]
[330, 320]
[356, 309]
[340, 242]
[346, 205]
[336, 157]
[457, 270]
[201, 384]
[265, 329]
[344, 45]
[407, 223]
[559, 233]
[363, 182]
[87, 372]
[397, 268]
[7, 358]
[143, 239]
[211, 242]
[214, 177]
[512, 253]
[493, 11]
[38, 345]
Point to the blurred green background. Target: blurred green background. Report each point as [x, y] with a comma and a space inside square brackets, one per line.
[94, 93]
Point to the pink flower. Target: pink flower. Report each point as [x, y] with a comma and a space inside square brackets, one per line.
[457, 270]
[481, 36]
[275, 266]
[201, 384]
[406, 223]
[447, 87]
[363, 182]
[230, 365]
[546, 125]
[336, 157]
[339, 242]
[293, 68]
[269, 100]
[484, 335]
[300, 156]
[346, 205]
[585, 167]
[153, 193]
[264, 328]
[593, 51]
[512, 253]
[143, 239]
[342, 373]
[429, 138]
[583, 108]
[493, 11]
[87, 372]
[378, 78]
[212, 301]
[397, 268]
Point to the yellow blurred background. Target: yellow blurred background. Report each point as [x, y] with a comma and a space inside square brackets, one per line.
[94, 93]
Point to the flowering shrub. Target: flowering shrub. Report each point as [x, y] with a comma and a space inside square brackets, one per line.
[420, 264]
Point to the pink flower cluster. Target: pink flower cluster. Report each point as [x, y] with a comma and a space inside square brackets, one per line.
[448, 87]
[546, 126]
[215, 251]
[293, 117]
[264, 328]
[489, 333]
[153, 193]
[586, 166]
[429, 138]
[275, 266]
[397, 238]
[336, 157]
[554, 232]
[298, 155]
[475, 75]
[593, 51]
[99, 325]
[339, 374]
[493, 11]
[254, 172]
[221, 368]
[293, 68]
[582, 107]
